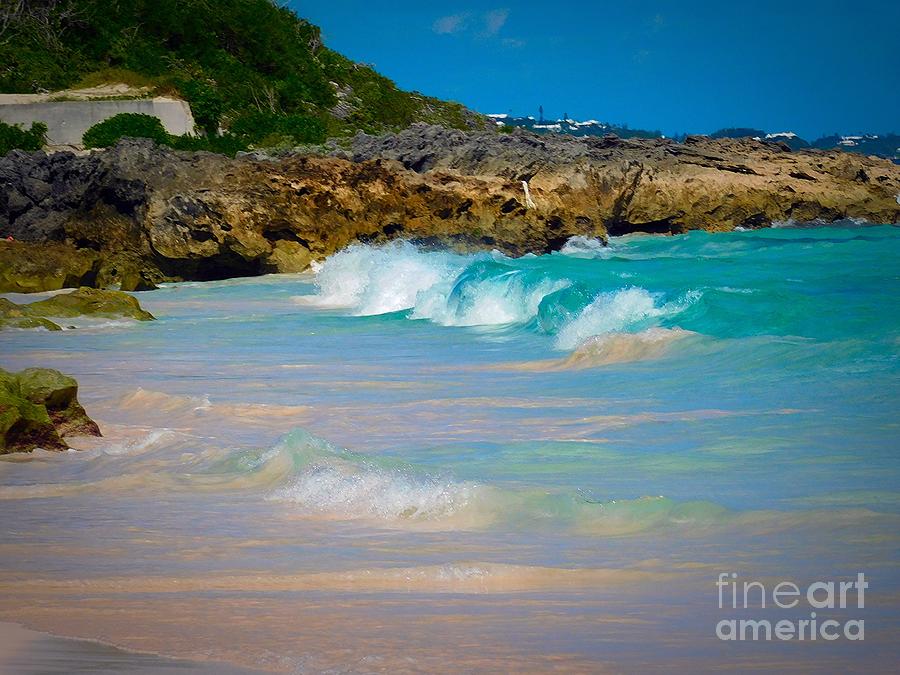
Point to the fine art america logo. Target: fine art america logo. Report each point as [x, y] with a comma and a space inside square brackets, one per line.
[831, 596]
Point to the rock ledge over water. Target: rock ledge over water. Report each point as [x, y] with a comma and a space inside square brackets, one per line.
[138, 214]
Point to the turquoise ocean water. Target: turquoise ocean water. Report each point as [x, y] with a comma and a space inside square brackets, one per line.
[415, 458]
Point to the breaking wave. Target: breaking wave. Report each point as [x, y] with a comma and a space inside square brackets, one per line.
[344, 484]
[380, 279]
[319, 480]
[488, 289]
[586, 247]
[323, 480]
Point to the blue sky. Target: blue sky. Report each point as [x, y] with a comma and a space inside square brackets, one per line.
[811, 67]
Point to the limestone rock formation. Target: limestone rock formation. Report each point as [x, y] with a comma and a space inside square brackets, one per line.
[658, 185]
[49, 267]
[138, 214]
[38, 407]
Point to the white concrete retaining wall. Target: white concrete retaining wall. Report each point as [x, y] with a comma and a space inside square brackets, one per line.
[68, 120]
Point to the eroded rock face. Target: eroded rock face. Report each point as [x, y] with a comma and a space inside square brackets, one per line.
[137, 214]
[657, 185]
[51, 266]
[38, 407]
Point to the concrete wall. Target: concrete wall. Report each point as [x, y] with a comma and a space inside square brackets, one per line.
[68, 120]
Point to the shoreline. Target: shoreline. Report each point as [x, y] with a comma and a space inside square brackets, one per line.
[25, 651]
[293, 487]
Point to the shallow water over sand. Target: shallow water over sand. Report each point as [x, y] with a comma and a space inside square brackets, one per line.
[423, 461]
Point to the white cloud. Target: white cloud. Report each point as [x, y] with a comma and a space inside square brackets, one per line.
[494, 21]
[447, 25]
[483, 25]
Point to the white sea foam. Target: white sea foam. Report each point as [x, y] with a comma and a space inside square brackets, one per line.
[497, 300]
[380, 279]
[348, 485]
[435, 285]
[627, 309]
[484, 290]
[585, 247]
[350, 491]
[136, 446]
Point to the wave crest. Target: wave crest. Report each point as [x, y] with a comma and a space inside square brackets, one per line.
[344, 484]
[380, 279]
[487, 293]
[486, 290]
[630, 310]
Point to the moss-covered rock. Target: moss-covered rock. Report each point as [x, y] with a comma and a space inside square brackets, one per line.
[89, 302]
[25, 426]
[83, 302]
[30, 268]
[38, 407]
[58, 393]
[16, 316]
[48, 387]
[27, 267]
[124, 271]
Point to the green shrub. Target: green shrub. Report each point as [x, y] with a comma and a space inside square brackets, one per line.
[225, 144]
[134, 125]
[271, 129]
[207, 104]
[131, 125]
[14, 137]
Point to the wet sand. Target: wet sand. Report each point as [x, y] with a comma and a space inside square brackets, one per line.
[28, 652]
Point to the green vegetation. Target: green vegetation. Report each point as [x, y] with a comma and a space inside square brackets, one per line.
[248, 66]
[226, 144]
[257, 129]
[267, 129]
[14, 137]
[109, 131]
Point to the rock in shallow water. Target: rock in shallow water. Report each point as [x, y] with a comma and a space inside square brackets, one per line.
[17, 316]
[38, 407]
[89, 302]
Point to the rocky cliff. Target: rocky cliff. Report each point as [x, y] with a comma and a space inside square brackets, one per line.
[137, 214]
[657, 185]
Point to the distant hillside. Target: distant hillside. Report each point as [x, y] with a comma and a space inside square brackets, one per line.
[887, 145]
[248, 65]
[572, 127]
